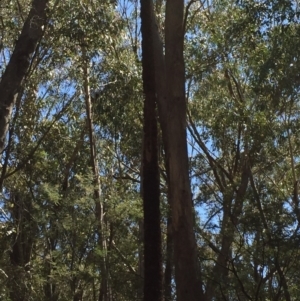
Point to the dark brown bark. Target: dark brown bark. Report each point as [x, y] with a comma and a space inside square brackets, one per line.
[76, 288]
[141, 273]
[10, 146]
[169, 263]
[170, 87]
[23, 240]
[283, 281]
[50, 291]
[19, 63]
[150, 169]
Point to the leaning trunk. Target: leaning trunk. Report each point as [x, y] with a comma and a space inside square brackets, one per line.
[19, 63]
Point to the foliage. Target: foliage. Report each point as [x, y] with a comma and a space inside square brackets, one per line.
[242, 81]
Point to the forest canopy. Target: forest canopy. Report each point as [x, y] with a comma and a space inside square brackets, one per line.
[149, 150]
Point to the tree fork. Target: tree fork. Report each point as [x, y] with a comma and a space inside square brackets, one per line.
[170, 88]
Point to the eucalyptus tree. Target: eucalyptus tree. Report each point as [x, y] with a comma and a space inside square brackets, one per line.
[241, 85]
[150, 167]
[170, 89]
[19, 63]
[46, 164]
[239, 108]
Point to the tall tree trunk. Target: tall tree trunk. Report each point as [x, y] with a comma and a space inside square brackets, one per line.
[19, 63]
[187, 276]
[170, 88]
[150, 169]
[103, 294]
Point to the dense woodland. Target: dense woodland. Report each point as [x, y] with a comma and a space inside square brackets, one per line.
[149, 150]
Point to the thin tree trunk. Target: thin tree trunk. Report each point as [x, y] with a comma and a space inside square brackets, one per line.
[50, 289]
[19, 63]
[283, 281]
[219, 278]
[78, 292]
[169, 262]
[150, 169]
[22, 247]
[51, 293]
[103, 294]
[231, 216]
